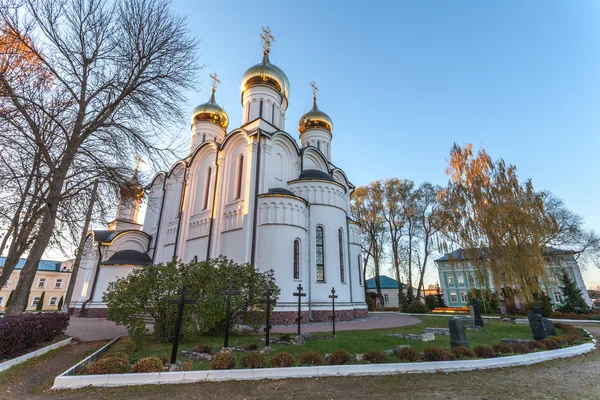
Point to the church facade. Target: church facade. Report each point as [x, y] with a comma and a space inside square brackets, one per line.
[251, 194]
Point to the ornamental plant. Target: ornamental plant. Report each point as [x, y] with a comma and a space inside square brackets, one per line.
[20, 333]
[502, 348]
[339, 357]
[407, 354]
[253, 359]
[463, 353]
[282, 360]
[484, 352]
[223, 361]
[148, 364]
[203, 348]
[435, 354]
[146, 291]
[108, 365]
[311, 358]
[375, 357]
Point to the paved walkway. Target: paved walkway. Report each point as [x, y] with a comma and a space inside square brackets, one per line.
[93, 329]
[374, 321]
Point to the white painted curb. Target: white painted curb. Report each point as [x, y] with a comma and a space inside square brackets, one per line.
[79, 381]
[21, 359]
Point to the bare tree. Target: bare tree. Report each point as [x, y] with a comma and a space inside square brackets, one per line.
[114, 74]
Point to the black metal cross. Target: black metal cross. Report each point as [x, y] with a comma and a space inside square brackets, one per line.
[228, 292]
[333, 296]
[181, 301]
[300, 295]
[269, 302]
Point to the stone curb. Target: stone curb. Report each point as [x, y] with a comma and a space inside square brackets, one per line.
[21, 359]
[158, 378]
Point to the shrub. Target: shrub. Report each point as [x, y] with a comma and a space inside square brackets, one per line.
[252, 347]
[375, 357]
[436, 354]
[561, 340]
[407, 354]
[416, 307]
[20, 333]
[484, 352]
[108, 365]
[551, 344]
[502, 348]
[282, 360]
[148, 364]
[520, 348]
[463, 353]
[339, 357]
[203, 348]
[223, 361]
[539, 345]
[311, 358]
[285, 338]
[253, 360]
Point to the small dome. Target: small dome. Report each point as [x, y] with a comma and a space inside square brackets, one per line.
[309, 174]
[315, 119]
[211, 112]
[132, 189]
[266, 73]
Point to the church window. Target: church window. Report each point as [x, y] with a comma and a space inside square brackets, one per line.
[248, 112]
[273, 113]
[206, 188]
[319, 145]
[341, 243]
[320, 255]
[260, 109]
[203, 138]
[359, 270]
[297, 259]
[238, 178]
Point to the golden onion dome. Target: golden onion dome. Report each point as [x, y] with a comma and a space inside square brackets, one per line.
[211, 112]
[315, 119]
[266, 73]
[132, 189]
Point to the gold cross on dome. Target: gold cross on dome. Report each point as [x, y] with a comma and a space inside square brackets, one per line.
[315, 90]
[215, 82]
[267, 38]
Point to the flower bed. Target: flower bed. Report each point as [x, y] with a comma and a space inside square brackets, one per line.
[23, 333]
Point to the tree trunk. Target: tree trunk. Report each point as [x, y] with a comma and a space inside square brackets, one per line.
[27, 276]
[377, 283]
[80, 248]
[409, 286]
[422, 272]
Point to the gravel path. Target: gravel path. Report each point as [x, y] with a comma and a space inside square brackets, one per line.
[572, 378]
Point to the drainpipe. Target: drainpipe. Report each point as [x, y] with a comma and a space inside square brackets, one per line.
[84, 304]
[214, 206]
[255, 219]
[181, 200]
[162, 206]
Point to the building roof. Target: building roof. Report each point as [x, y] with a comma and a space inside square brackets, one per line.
[128, 257]
[384, 281]
[44, 265]
[309, 174]
[281, 191]
[458, 255]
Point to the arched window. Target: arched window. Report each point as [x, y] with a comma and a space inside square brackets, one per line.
[206, 188]
[297, 259]
[238, 177]
[260, 109]
[203, 138]
[248, 112]
[273, 114]
[320, 255]
[319, 145]
[341, 243]
[359, 270]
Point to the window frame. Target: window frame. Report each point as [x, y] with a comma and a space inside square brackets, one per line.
[450, 279]
[34, 303]
[453, 298]
[322, 246]
[206, 194]
[386, 298]
[341, 251]
[464, 297]
[360, 282]
[41, 283]
[55, 301]
[239, 170]
[58, 283]
[460, 279]
[296, 267]
[1, 301]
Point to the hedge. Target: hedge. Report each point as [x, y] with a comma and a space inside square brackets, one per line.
[21, 333]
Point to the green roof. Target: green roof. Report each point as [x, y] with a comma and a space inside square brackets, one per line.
[384, 281]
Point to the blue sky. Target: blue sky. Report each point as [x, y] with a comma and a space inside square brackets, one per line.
[404, 80]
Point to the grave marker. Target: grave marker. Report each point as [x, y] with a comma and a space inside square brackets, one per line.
[228, 292]
[269, 301]
[458, 334]
[181, 301]
[300, 295]
[333, 296]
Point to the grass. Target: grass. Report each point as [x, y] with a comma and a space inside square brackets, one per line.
[8, 375]
[356, 342]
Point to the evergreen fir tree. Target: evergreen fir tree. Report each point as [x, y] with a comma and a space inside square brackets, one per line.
[9, 298]
[60, 303]
[545, 305]
[402, 301]
[40, 304]
[439, 297]
[572, 299]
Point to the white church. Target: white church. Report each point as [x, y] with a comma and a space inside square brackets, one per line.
[251, 194]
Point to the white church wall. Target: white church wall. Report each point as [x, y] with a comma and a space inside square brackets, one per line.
[107, 274]
[272, 108]
[203, 131]
[280, 163]
[313, 159]
[195, 247]
[231, 244]
[89, 259]
[317, 138]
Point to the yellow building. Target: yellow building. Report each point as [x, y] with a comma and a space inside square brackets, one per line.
[52, 278]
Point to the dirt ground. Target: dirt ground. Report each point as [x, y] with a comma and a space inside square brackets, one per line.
[573, 378]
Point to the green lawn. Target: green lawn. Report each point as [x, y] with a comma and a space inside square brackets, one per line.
[356, 342]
